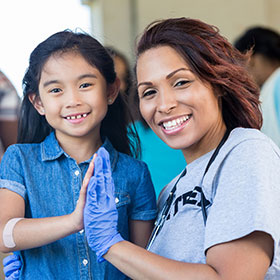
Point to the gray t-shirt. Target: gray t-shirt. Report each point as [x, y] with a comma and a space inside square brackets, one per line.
[243, 188]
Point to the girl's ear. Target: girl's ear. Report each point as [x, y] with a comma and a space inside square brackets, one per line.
[113, 91]
[37, 103]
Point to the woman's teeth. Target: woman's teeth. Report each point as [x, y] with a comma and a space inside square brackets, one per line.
[175, 123]
[76, 117]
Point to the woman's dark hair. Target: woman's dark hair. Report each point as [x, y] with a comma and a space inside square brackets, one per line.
[33, 128]
[261, 40]
[215, 61]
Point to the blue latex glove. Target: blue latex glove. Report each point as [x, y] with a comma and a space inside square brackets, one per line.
[100, 213]
[12, 266]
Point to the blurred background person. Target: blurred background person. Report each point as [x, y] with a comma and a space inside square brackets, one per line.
[9, 105]
[264, 65]
[122, 69]
[164, 163]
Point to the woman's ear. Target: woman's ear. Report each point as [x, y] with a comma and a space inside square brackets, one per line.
[37, 103]
[113, 91]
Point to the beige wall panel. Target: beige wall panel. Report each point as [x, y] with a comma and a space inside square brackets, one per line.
[231, 17]
[272, 12]
[122, 20]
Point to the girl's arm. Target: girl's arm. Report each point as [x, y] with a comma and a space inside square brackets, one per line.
[247, 258]
[30, 233]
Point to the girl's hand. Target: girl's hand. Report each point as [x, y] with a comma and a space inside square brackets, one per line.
[77, 215]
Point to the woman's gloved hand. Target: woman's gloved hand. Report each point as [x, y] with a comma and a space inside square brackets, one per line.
[100, 212]
[12, 266]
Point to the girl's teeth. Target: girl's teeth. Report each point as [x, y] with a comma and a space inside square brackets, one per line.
[76, 117]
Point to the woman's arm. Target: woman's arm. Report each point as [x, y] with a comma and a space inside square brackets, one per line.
[140, 232]
[247, 258]
[226, 261]
[30, 233]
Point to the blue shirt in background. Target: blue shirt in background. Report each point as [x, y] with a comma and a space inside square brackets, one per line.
[163, 162]
[49, 180]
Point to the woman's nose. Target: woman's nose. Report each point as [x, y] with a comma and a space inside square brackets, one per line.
[166, 101]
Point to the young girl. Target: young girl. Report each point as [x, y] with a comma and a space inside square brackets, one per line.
[220, 218]
[70, 109]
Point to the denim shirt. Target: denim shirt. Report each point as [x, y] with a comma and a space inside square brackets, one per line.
[49, 180]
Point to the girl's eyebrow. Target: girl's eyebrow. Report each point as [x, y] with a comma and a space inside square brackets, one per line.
[87, 76]
[47, 83]
[50, 82]
[167, 77]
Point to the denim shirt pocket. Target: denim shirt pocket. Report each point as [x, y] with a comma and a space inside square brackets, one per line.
[123, 201]
[122, 198]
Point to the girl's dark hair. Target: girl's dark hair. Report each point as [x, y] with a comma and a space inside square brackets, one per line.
[33, 128]
[214, 60]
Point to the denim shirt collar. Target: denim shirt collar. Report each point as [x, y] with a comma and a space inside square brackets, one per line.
[51, 150]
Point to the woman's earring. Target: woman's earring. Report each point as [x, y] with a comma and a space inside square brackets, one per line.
[110, 101]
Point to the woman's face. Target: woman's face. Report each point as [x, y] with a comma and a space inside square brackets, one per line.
[181, 109]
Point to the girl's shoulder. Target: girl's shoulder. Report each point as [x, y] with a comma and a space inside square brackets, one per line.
[130, 163]
[26, 148]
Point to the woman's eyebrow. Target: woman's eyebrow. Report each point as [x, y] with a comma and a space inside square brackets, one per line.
[175, 71]
[144, 84]
[167, 77]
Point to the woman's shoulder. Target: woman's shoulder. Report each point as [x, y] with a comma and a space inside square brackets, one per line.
[252, 139]
[249, 148]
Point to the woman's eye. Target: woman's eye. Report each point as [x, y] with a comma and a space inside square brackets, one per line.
[148, 92]
[181, 83]
[85, 85]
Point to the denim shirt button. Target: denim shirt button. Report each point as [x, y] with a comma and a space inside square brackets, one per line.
[85, 262]
[77, 172]
[117, 200]
[81, 231]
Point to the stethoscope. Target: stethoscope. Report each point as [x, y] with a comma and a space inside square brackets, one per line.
[167, 205]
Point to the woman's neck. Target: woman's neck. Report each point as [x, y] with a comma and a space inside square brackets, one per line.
[208, 143]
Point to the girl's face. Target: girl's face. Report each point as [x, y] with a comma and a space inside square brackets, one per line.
[181, 109]
[74, 97]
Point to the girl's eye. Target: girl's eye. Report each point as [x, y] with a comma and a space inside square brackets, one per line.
[55, 90]
[85, 85]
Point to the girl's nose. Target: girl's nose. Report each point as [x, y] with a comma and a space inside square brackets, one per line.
[73, 98]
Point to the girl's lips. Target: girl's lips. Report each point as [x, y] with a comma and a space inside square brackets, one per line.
[76, 119]
[77, 116]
